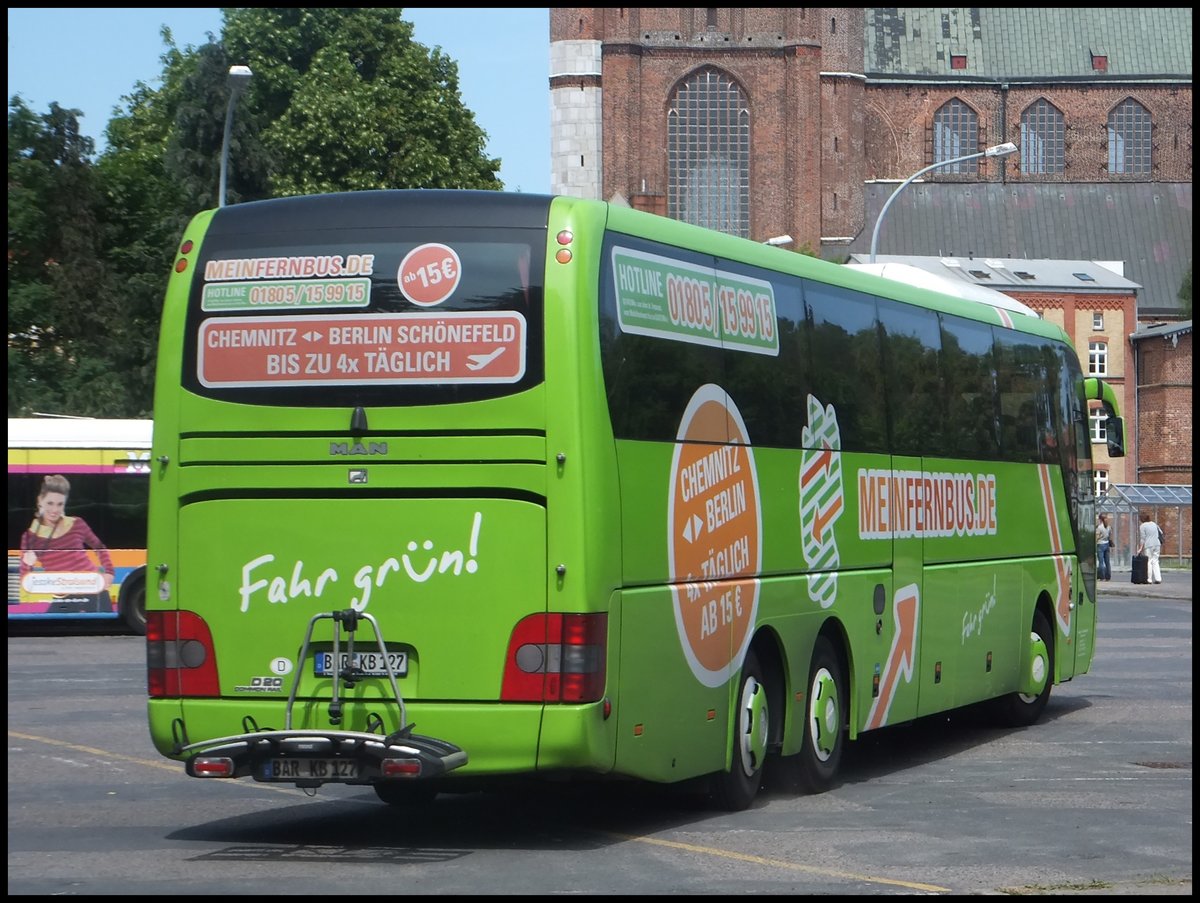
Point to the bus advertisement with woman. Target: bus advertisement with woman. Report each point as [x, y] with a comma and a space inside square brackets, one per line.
[580, 491]
[77, 497]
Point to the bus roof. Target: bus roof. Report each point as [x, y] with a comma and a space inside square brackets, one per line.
[911, 275]
[70, 432]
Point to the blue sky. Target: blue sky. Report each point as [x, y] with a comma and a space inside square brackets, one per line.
[88, 59]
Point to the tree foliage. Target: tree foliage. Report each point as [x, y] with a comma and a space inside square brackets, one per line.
[352, 102]
[340, 100]
[61, 303]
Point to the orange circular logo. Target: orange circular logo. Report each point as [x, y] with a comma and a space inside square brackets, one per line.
[715, 535]
[429, 274]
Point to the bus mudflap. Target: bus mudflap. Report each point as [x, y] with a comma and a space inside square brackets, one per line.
[310, 758]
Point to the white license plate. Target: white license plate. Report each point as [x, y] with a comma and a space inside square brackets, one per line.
[310, 769]
[370, 663]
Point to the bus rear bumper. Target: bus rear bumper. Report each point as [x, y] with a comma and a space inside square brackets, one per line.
[310, 758]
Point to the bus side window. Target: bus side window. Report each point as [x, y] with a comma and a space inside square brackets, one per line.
[846, 364]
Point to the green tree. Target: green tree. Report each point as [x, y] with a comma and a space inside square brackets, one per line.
[341, 99]
[60, 302]
[1185, 293]
[352, 102]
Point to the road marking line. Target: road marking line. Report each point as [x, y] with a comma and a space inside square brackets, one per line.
[779, 863]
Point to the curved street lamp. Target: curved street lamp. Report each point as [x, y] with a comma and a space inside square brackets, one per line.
[999, 150]
[239, 77]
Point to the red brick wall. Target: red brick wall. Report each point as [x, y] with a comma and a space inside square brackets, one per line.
[1165, 411]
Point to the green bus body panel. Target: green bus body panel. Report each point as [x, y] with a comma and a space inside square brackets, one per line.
[400, 449]
[252, 504]
[447, 580]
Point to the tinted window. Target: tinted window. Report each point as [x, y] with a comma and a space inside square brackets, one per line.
[911, 345]
[374, 298]
[114, 506]
[1027, 398]
[967, 374]
[650, 379]
[846, 364]
[771, 391]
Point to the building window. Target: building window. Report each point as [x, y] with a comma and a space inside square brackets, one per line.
[1097, 359]
[708, 154]
[956, 134]
[1097, 322]
[1129, 139]
[1097, 420]
[958, 61]
[1101, 482]
[1043, 140]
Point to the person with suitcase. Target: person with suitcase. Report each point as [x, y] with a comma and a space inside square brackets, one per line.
[1148, 550]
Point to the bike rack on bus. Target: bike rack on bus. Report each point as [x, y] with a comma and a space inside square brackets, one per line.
[345, 620]
[375, 749]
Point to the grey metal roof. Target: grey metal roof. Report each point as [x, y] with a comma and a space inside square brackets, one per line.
[1145, 225]
[1036, 43]
[1162, 330]
[1005, 273]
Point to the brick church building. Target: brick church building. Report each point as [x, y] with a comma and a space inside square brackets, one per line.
[802, 122]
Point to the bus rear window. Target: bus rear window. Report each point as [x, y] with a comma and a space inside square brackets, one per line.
[370, 316]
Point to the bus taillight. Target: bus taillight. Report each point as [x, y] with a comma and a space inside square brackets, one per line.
[179, 655]
[556, 658]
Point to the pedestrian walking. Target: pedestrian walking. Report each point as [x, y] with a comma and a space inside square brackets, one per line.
[1150, 545]
[1104, 549]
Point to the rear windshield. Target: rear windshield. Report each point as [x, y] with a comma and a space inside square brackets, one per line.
[379, 315]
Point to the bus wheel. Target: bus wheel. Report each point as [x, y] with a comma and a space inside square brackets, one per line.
[735, 789]
[825, 721]
[1024, 707]
[132, 603]
[406, 793]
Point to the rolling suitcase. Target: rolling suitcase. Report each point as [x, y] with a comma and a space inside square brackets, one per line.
[1140, 563]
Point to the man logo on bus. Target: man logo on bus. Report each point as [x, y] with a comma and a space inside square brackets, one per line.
[822, 499]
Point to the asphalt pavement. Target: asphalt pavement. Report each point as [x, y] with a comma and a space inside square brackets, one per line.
[1176, 584]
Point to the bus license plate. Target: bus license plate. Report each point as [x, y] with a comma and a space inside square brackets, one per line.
[370, 663]
[310, 769]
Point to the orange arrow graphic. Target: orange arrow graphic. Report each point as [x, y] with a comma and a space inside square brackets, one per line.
[822, 460]
[1064, 593]
[901, 656]
[824, 517]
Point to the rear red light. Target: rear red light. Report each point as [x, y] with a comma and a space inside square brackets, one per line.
[400, 768]
[180, 658]
[556, 658]
[213, 767]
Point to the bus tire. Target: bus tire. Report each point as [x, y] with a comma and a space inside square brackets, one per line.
[825, 720]
[735, 789]
[406, 793]
[132, 602]
[1020, 709]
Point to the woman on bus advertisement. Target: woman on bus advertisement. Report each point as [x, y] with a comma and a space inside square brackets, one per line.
[60, 555]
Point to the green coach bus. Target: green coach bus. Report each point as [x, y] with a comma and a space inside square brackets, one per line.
[450, 487]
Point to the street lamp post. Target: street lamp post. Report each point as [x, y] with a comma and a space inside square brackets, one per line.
[999, 150]
[239, 77]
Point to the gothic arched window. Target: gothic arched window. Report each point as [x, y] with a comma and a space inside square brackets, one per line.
[1043, 139]
[708, 154]
[956, 134]
[1129, 139]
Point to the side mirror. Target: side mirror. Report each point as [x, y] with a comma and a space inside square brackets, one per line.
[1115, 428]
